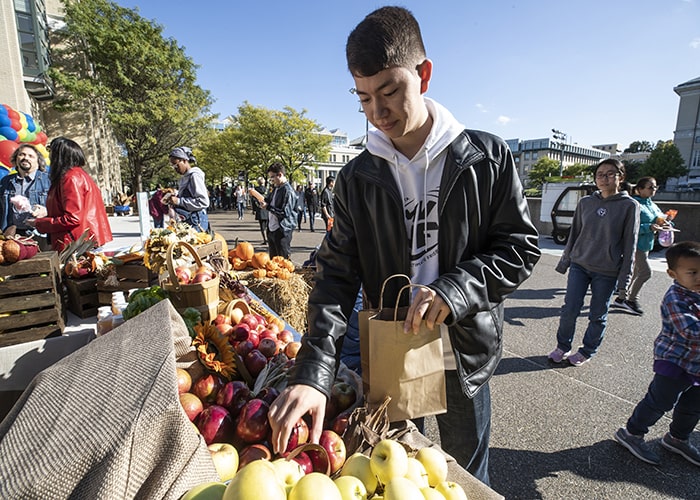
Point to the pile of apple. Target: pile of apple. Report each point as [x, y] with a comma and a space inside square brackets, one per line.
[389, 473]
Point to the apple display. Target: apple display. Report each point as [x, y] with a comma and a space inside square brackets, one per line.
[253, 425]
[253, 452]
[357, 465]
[256, 480]
[344, 395]
[435, 464]
[225, 458]
[315, 486]
[389, 460]
[416, 473]
[212, 490]
[215, 424]
[184, 381]
[451, 491]
[192, 405]
[351, 488]
[206, 387]
[400, 488]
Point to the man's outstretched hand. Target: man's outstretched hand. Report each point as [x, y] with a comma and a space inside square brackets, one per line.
[292, 404]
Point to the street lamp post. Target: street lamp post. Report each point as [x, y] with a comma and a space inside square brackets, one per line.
[561, 137]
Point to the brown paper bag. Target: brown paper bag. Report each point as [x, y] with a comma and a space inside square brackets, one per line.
[406, 367]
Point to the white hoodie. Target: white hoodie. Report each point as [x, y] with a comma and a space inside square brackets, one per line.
[418, 180]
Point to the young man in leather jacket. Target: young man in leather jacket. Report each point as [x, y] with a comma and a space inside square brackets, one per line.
[430, 199]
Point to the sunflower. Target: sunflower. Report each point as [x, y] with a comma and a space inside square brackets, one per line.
[214, 350]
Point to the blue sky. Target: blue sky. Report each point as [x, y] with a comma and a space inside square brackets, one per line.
[601, 71]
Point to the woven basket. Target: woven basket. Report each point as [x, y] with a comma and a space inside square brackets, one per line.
[202, 296]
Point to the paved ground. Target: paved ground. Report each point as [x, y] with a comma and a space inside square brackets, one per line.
[552, 426]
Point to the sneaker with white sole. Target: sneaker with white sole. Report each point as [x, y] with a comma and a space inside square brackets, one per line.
[578, 359]
[683, 448]
[637, 446]
[558, 355]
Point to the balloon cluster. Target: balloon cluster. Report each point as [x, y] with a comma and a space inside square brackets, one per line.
[18, 128]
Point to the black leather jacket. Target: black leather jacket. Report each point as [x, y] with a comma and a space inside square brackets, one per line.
[487, 248]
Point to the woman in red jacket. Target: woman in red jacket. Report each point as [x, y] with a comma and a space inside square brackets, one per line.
[74, 201]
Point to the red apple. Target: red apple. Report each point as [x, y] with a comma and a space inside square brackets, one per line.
[183, 274]
[224, 328]
[274, 328]
[207, 387]
[233, 396]
[260, 319]
[285, 336]
[340, 423]
[250, 320]
[184, 381]
[268, 347]
[303, 459]
[255, 361]
[253, 452]
[335, 447]
[191, 404]
[215, 424]
[243, 347]
[344, 395]
[253, 425]
[292, 349]
[201, 277]
[268, 394]
[299, 436]
[241, 331]
[319, 460]
[254, 337]
[268, 334]
[222, 318]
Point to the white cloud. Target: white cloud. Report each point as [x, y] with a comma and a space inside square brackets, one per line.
[481, 108]
[695, 44]
[503, 120]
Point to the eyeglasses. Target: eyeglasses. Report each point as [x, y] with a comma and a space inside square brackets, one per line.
[652, 187]
[609, 175]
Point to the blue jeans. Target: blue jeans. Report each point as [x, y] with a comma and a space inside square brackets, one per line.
[602, 288]
[665, 393]
[465, 429]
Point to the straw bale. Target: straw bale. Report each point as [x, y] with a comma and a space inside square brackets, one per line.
[288, 298]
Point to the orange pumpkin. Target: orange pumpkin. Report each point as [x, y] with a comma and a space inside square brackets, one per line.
[260, 260]
[259, 273]
[244, 250]
[239, 264]
[283, 274]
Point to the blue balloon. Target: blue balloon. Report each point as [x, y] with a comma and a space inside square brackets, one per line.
[30, 123]
[9, 133]
[3, 110]
[5, 120]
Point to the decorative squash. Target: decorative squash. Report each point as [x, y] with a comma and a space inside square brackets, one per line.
[239, 264]
[272, 265]
[260, 260]
[244, 250]
[259, 273]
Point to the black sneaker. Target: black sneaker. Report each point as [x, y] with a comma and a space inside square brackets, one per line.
[632, 307]
[618, 303]
[637, 446]
[683, 448]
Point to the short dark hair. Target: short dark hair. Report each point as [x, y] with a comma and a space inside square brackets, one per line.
[689, 249]
[329, 179]
[389, 37]
[276, 168]
[615, 163]
[40, 158]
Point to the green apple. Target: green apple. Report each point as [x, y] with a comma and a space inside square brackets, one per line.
[451, 491]
[435, 464]
[206, 491]
[358, 465]
[431, 493]
[351, 488]
[255, 480]
[288, 472]
[388, 460]
[401, 488]
[225, 458]
[313, 486]
[417, 473]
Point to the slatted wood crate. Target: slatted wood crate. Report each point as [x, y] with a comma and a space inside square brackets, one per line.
[30, 300]
[82, 296]
[129, 276]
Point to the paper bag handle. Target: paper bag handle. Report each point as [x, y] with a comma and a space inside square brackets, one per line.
[405, 287]
[381, 293]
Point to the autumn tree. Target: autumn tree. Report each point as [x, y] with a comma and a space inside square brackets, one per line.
[146, 82]
[664, 162]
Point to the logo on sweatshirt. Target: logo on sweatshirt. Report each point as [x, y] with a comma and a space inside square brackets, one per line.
[602, 212]
[423, 218]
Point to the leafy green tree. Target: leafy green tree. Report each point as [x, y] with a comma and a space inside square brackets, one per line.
[259, 137]
[633, 170]
[639, 147]
[110, 54]
[577, 170]
[664, 162]
[541, 170]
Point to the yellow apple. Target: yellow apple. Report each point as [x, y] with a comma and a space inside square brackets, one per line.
[313, 486]
[206, 491]
[435, 464]
[255, 481]
[225, 458]
[431, 493]
[351, 488]
[451, 491]
[388, 460]
[416, 473]
[401, 488]
[288, 472]
[358, 465]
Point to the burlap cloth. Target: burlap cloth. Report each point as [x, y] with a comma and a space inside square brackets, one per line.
[106, 422]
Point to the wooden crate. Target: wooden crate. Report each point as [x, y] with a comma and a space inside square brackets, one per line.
[82, 298]
[129, 276]
[31, 300]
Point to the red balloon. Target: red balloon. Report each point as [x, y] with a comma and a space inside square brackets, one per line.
[6, 150]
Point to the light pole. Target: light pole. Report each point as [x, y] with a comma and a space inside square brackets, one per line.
[561, 137]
